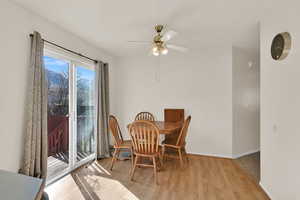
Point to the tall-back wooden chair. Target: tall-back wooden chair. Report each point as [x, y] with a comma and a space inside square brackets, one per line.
[145, 141]
[173, 115]
[180, 143]
[120, 144]
[144, 116]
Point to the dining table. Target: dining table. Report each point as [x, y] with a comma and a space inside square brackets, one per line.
[170, 129]
[166, 128]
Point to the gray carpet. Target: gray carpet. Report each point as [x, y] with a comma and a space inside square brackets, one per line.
[251, 164]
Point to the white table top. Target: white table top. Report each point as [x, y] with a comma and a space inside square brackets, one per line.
[18, 187]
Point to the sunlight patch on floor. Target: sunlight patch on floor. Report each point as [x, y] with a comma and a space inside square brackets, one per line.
[64, 189]
[105, 188]
[101, 169]
[97, 185]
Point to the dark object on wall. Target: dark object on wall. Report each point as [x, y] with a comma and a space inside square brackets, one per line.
[281, 46]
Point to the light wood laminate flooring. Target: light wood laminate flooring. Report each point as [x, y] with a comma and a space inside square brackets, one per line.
[206, 178]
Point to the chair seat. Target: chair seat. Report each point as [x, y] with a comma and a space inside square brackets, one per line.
[147, 155]
[168, 142]
[150, 155]
[126, 144]
[171, 151]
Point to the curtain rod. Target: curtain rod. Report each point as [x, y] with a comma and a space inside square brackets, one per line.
[76, 53]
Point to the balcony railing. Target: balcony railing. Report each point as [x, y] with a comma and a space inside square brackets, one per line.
[58, 136]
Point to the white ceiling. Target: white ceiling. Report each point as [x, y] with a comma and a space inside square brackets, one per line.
[110, 24]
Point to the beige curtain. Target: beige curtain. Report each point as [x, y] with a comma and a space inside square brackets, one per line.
[36, 144]
[103, 109]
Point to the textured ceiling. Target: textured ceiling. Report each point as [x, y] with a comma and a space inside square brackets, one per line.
[110, 24]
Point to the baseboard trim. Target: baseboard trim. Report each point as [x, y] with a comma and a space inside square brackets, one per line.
[245, 154]
[265, 190]
[209, 155]
[224, 156]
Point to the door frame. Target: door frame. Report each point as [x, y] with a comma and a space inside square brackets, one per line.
[73, 61]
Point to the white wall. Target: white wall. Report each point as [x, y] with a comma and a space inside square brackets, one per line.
[245, 99]
[199, 81]
[16, 25]
[280, 105]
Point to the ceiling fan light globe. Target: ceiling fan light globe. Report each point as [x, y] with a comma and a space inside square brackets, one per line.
[164, 51]
[155, 53]
[155, 49]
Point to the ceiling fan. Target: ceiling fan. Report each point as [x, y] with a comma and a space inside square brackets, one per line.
[160, 45]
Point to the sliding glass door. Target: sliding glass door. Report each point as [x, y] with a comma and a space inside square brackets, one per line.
[57, 72]
[85, 112]
[71, 112]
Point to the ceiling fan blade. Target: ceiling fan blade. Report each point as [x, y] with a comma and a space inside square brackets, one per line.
[168, 35]
[139, 42]
[177, 48]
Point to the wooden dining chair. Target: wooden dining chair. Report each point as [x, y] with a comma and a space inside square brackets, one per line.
[179, 147]
[120, 144]
[144, 116]
[173, 115]
[145, 141]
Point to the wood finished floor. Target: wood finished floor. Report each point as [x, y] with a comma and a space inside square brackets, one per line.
[205, 178]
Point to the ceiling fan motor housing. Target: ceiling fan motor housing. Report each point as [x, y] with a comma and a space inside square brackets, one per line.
[159, 28]
[157, 39]
[159, 46]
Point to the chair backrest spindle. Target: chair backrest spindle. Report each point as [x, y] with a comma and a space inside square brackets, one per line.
[144, 116]
[115, 130]
[183, 132]
[145, 137]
